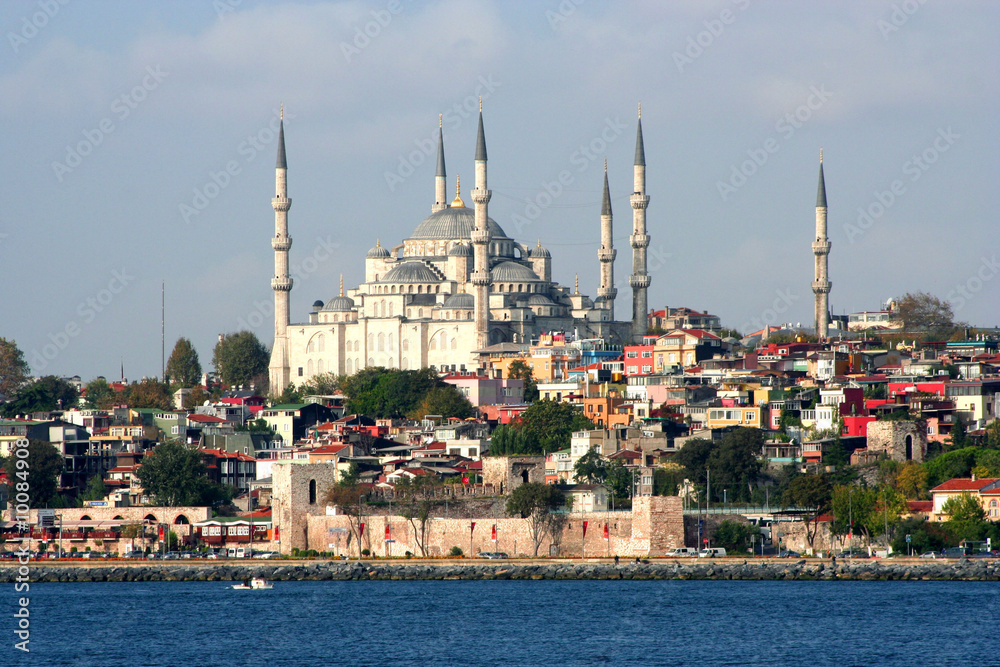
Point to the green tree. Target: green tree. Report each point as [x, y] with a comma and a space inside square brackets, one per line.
[814, 492]
[534, 501]
[966, 517]
[519, 370]
[507, 440]
[924, 536]
[196, 397]
[734, 536]
[957, 463]
[324, 384]
[446, 401]
[290, 394]
[387, 392]
[43, 395]
[14, 370]
[175, 476]
[150, 393]
[667, 479]
[920, 311]
[37, 474]
[548, 425]
[183, 367]
[241, 359]
[735, 463]
[694, 457]
[591, 468]
[95, 489]
[620, 480]
[100, 395]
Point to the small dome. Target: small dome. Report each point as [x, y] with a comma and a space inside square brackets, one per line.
[460, 250]
[410, 272]
[460, 301]
[317, 304]
[539, 251]
[512, 272]
[539, 300]
[378, 252]
[339, 304]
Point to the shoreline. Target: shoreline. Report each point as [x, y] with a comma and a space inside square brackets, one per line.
[521, 569]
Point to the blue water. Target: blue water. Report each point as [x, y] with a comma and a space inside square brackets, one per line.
[703, 623]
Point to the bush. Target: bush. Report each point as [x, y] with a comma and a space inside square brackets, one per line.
[408, 554]
[295, 552]
[366, 552]
[456, 551]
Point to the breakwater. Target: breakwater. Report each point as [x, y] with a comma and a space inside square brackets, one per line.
[732, 569]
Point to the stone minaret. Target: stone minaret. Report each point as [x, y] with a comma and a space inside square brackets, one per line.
[481, 241]
[606, 254]
[821, 250]
[281, 283]
[440, 176]
[639, 280]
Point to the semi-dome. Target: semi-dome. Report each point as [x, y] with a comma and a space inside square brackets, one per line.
[378, 252]
[460, 301]
[461, 250]
[512, 272]
[453, 223]
[539, 300]
[410, 272]
[339, 304]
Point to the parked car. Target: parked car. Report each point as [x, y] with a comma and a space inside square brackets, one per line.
[789, 554]
[682, 552]
[853, 553]
[134, 554]
[929, 554]
[492, 555]
[957, 552]
[265, 555]
[172, 555]
[712, 552]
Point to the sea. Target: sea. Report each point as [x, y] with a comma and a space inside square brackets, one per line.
[697, 623]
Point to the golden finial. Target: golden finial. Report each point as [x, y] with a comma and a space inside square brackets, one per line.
[821, 155]
[480, 104]
[605, 165]
[458, 203]
[539, 243]
[378, 243]
[640, 109]
[341, 284]
[282, 112]
[440, 120]
[577, 283]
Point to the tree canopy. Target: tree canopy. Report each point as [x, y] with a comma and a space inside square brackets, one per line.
[100, 395]
[149, 393]
[175, 475]
[43, 395]
[535, 501]
[183, 367]
[920, 311]
[241, 359]
[447, 401]
[733, 462]
[387, 392]
[546, 426]
[518, 370]
[14, 370]
[39, 471]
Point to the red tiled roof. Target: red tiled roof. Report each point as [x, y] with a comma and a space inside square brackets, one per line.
[920, 505]
[207, 419]
[963, 484]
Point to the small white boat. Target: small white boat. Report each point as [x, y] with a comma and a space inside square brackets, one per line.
[255, 584]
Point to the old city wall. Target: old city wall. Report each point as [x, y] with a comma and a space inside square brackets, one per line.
[900, 440]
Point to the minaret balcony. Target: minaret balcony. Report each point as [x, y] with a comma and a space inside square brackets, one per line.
[279, 284]
[639, 281]
[638, 201]
[480, 237]
[480, 277]
[482, 196]
[821, 286]
[281, 243]
[605, 255]
[608, 292]
[821, 247]
[639, 240]
[281, 203]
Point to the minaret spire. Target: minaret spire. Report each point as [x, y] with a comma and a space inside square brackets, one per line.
[481, 240]
[278, 369]
[606, 253]
[440, 175]
[639, 240]
[821, 251]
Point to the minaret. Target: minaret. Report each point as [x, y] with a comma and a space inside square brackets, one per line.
[639, 280]
[481, 241]
[281, 283]
[440, 176]
[606, 253]
[821, 250]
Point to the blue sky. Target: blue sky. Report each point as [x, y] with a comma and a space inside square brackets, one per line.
[122, 118]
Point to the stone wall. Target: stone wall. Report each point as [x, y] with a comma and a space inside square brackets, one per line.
[893, 438]
[506, 473]
[299, 490]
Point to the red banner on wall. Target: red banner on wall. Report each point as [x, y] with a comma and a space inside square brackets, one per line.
[494, 538]
[472, 526]
[606, 536]
[585, 528]
[361, 529]
[387, 534]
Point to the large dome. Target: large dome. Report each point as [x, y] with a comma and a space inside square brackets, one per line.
[460, 300]
[339, 304]
[508, 272]
[453, 224]
[410, 272]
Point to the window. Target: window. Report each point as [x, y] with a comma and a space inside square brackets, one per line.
[646, 354]
[631, 354]
[647, 369]
[300, 371]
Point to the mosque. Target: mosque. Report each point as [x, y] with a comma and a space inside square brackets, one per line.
[458, 284]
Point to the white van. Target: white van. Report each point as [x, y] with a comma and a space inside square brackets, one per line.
[714, 552]
[682, 552]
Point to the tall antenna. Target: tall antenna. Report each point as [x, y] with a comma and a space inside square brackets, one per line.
[163, 340]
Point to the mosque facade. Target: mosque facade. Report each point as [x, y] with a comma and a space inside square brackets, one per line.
[458, 284]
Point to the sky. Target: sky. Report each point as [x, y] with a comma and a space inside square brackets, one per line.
[139, 149]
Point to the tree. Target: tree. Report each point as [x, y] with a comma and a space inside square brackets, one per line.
[240, 359]
[43, 395]
[591, 468]
[324, 384]
[620, 480]
[14, 370]
[957, 463]
[347, 495]
[966, 517]
[912, 481]
[694, 457]
[920, 311]
[100, 395]
[735, 464]
[667, 479]
[548, 425]
[924, 536]
[734, 535]
[196, 397]
[958, 439]
[150, 393]
[811, 491]
[183, 367]
[447, 401]
[387, 392]
[95, 489]
[175, 475]
[290, 394]
[519, 370]
[416, 508]
[535, 501]
[37, 474]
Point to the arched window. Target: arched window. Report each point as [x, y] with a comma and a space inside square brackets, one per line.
[371, 361]
[321, 342]
[420, 289]
[393, 290]
[371, 341]
[444, 341]
[381, 342]
[390, 309]
[411, 289]
[150, 518]
[454, 343]
[319, 367]
[336, 318]
[310, 346]
[909, 447]
[434, 343]
[357, 345]
[406, 345]
[181, 520]
[390, 348]
[348, 367]
[404, 365]
[87, 518]
[420, 312]
[309, 368]
[312, 492]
